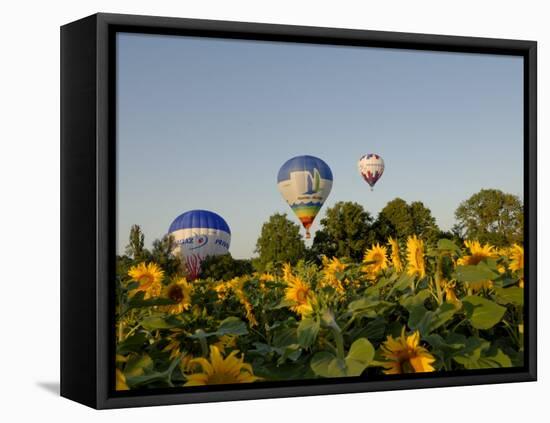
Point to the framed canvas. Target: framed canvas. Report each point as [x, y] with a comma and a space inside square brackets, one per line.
[256, 211]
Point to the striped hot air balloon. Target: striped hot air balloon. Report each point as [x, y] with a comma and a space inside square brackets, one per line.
[199, 234]
[305, 183]
[371, 168]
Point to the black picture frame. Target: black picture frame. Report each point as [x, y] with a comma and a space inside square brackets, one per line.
[88, 200]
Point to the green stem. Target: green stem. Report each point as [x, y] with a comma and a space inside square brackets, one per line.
[339, 339]
[438, 278]
[348, 324]
[258, 333]
[202, 341]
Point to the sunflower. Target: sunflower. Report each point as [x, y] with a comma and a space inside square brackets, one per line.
[478, 253]
[149, 277]
[222, 290]
[226, 341]
[300, 294]
[174, 345]
[218, 370]
[180, 292]
[186, 364]
[121, 384]
[237, 286]
[450, 292]
[266, 277]
[395, 258]
[263, 278]
[405, 355]
[375, 260]
[516, 257]
[415, 257]
[287, 271]
[330, 268]
[516, 261]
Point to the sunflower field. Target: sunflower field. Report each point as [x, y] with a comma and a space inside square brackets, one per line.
[405, 308]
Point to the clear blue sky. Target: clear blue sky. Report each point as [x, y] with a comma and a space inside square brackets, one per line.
[207, 123]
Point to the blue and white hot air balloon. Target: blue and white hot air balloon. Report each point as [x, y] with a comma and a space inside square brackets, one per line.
[197, 235]
[305, 183]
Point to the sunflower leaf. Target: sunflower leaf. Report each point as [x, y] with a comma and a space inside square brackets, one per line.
[410, 302]
[132, 344]
[359, 357]
[229, 326]
[513, 295]
[138, 365]
[482, 313]
[447, 245]
[308, 329]
[320, 363]
[232, 326]
[478, 273]
[402, 283]
[140, 302]
[479, 354]
[157, 322]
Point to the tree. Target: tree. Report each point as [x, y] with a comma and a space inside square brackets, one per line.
[163, 256]
[323, 245]
[491, 216]
[401, 220]
[279, 242]
[135, 247]
[423, 223]
[346, 231]
[224, 267]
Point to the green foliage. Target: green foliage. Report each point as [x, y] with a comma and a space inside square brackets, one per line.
[456, 317]
[135, 248]
[279, 242]
[225, 267]
[491, 216]
[308, 329]
[482, 313]
[345, 231]
[162, 255]
[426, 321]
[478, 273]
[401, 220]
[360, 355]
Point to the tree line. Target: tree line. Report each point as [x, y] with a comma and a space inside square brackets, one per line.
[347, 230]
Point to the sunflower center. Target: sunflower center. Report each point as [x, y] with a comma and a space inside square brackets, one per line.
[406, 367]
[175, 293]
[221, 377]
[301, 295]
[146, 280]
[404, 358]
[476, 258]
[418, 256]
[378, 258]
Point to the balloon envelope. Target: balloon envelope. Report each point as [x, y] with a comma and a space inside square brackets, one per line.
[197, 235]
[305, 183]
[371, 167]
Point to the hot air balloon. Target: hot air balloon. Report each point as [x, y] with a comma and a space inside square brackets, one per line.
[371, 168]
[197, 235]
[305, 183]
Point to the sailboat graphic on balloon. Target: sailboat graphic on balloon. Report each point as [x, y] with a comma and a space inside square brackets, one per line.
[305, 183]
